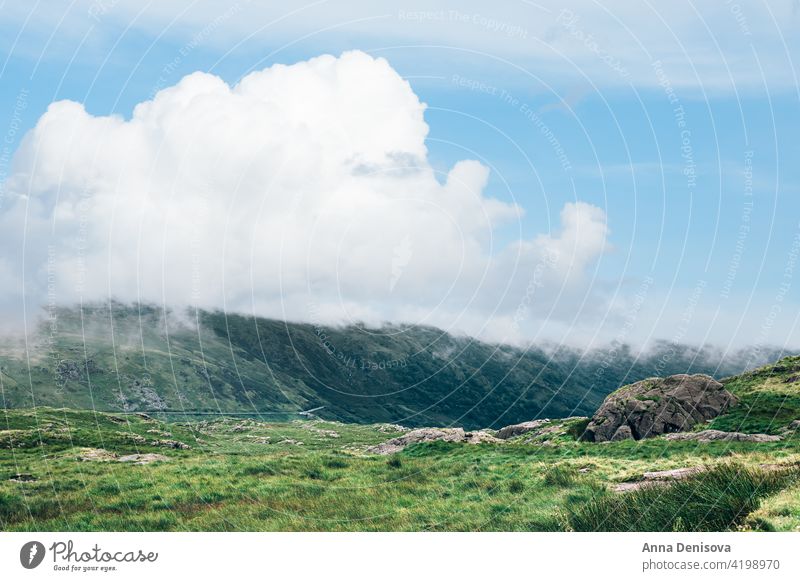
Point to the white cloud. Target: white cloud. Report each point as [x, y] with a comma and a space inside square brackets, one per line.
[288, 194]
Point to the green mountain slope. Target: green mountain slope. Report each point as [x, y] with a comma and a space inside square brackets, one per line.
[769, 399]
[134, 358]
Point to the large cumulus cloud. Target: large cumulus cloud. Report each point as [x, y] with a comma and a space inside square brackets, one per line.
[304, 191]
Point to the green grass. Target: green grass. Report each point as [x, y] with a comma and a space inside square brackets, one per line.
[230, 480]
[716, 500]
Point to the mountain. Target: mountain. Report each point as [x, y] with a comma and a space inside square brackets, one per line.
[117, 357]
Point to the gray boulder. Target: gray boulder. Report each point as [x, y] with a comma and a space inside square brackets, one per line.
[431, 435]
[518, 429]
[659, 406]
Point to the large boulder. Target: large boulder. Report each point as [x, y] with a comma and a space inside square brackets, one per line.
[659, 406]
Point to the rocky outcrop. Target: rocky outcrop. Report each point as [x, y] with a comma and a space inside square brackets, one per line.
[659, 406]
[518, 429]
[705, 436]
[431, 435]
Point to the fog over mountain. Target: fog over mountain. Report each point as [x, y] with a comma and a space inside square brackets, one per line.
[136, 358]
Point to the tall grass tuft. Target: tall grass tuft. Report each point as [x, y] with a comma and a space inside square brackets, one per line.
[560, 475]
[714, 500]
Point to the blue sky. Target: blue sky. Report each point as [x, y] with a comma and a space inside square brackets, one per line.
[497, 81]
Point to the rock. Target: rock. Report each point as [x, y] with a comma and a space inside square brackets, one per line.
[623, 433]
[23, 477]
[706, 436]
[170, 444]
[794, 425]
[480, 437]
[659, 406]
[515, 430]
[96, 455]
[431, 435]
[416, 436]
[665, 477]
[144, 416]
[68, 370]
[391, 428]
[659, 478]
[161, 433]
[136, 438]
[291, 442]
[629, 486]
[674, 474]
[143, 458]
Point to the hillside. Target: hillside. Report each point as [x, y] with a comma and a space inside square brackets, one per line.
[81, 470]
[133, 358]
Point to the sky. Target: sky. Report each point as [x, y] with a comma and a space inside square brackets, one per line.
[572, 172]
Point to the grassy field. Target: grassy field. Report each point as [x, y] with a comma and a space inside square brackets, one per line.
[314, 475]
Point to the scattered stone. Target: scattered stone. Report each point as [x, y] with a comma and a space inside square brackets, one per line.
[706, 436]
[136, 438]
[142, 459]
[311, 427]
[170, 444]
[161, 433]
[96, 455]
[518, 429]
[390, 428]
[291, 442]
[22, 477]
[327, 433]
[431, 435]
[659, 406]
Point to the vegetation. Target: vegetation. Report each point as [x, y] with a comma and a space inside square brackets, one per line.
[241, 474]
[769, 398]
[715, 500]
[138, 358]
[64, 467]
